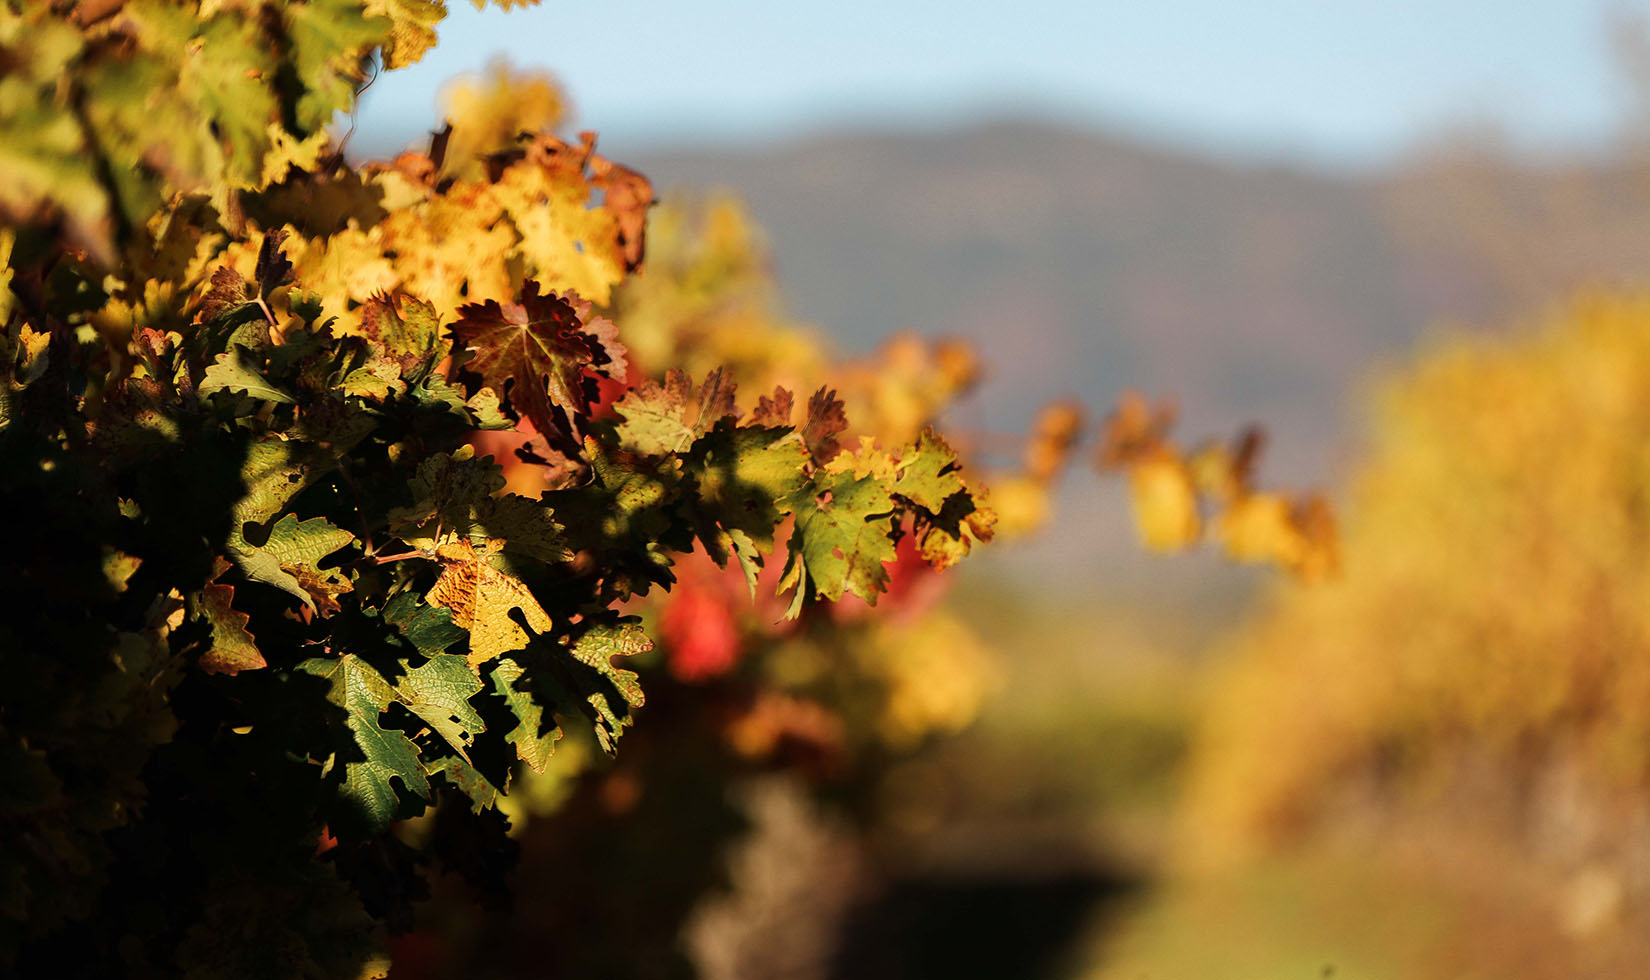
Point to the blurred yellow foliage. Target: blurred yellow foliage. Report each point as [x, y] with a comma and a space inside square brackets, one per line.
[488, 113]
[1492, 604]
[1173, 492]
[1165, 502]
[935, 673]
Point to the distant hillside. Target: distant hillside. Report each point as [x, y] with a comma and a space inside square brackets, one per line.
[1084, 264]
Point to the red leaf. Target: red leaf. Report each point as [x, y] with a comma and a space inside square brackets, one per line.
[537, 352]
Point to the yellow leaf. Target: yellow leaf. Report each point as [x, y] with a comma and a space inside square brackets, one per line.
[1021, 504]
[488, 113]
[1260, 528]
[481, 599]
[571, 246]
[1165, 503]
[287, 151]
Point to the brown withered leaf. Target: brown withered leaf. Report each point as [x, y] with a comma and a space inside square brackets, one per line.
[536, 351]
[628, 195]
[272, 270]
[661, 419]
[1134, 431]
[230, 291]
[716, 399]
[773, 411]
[1246, 455]
[1053, 434]
[825, 422]
[232, 648]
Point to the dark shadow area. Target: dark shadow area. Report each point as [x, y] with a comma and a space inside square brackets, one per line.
[976, 926]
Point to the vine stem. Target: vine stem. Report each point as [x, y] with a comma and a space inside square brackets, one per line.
[386, 559]
[269, 315]
[361, 515]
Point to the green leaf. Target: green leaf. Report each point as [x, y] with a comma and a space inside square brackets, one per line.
[596, 648]
[455, 501]
[408, 330]
[389, 755]
[375, 382]
[928, 473]
[841, 538]
[439, 692]
[275, 470]
[535, 741]
[745, 479]
[467, 779]
[430, 629]
[330, 40]
[237, 369]
[290, 560]
[487, 411]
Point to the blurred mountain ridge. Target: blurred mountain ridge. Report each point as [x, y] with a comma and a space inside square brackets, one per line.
[1084, 264]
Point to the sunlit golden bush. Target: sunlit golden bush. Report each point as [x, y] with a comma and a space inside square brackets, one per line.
[1493, 605]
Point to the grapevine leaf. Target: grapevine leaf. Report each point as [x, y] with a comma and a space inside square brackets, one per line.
[655, 416]
[624, 517]
[408, 329]
[841, 539]
[236, 369]
[388, 754]
[597, 648]
[232, 299]
[824, 424]
[468, 780]
[749, 553]
[774, 410]
[566, 243]
[273, 472]
[43, 148]
[290, 559]
[439, 692]
[945, 538]
[535, 351]
[119, 567]
[435, 394]
[329, 40]
[446, 489]
[745, 477]
[272, 269]
[535, 741]
[412, 28]
[1165, 503]
[8, 301]
[375, 381]
[581, 676]
[232, 647]
[523, 526]
[663, 419]
[627, 195]
[487, 412]
[486, 602]
[430, 629]
[455, 501]
[928, 473]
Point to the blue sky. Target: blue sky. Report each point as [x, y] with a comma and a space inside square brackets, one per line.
[1339, 82]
